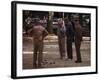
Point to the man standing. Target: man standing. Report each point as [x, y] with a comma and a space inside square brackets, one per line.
[61, 38]
[78, 38]
[38, 32]
[69, 38]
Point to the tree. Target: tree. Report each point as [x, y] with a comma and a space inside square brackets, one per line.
[49, 22]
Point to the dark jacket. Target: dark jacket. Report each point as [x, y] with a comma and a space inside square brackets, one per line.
[78, 32]
[70, 30]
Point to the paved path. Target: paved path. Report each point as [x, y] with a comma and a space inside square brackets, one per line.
[52, 57]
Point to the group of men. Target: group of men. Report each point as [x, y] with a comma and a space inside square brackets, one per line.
[67, 33]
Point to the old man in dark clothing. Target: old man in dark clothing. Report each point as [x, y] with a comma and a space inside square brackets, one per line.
[78, 38]
[69, 38]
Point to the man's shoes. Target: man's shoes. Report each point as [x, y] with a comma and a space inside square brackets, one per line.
[78, 61]
[68, 59]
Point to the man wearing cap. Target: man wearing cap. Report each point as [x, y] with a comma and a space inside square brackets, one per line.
[78, 38]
